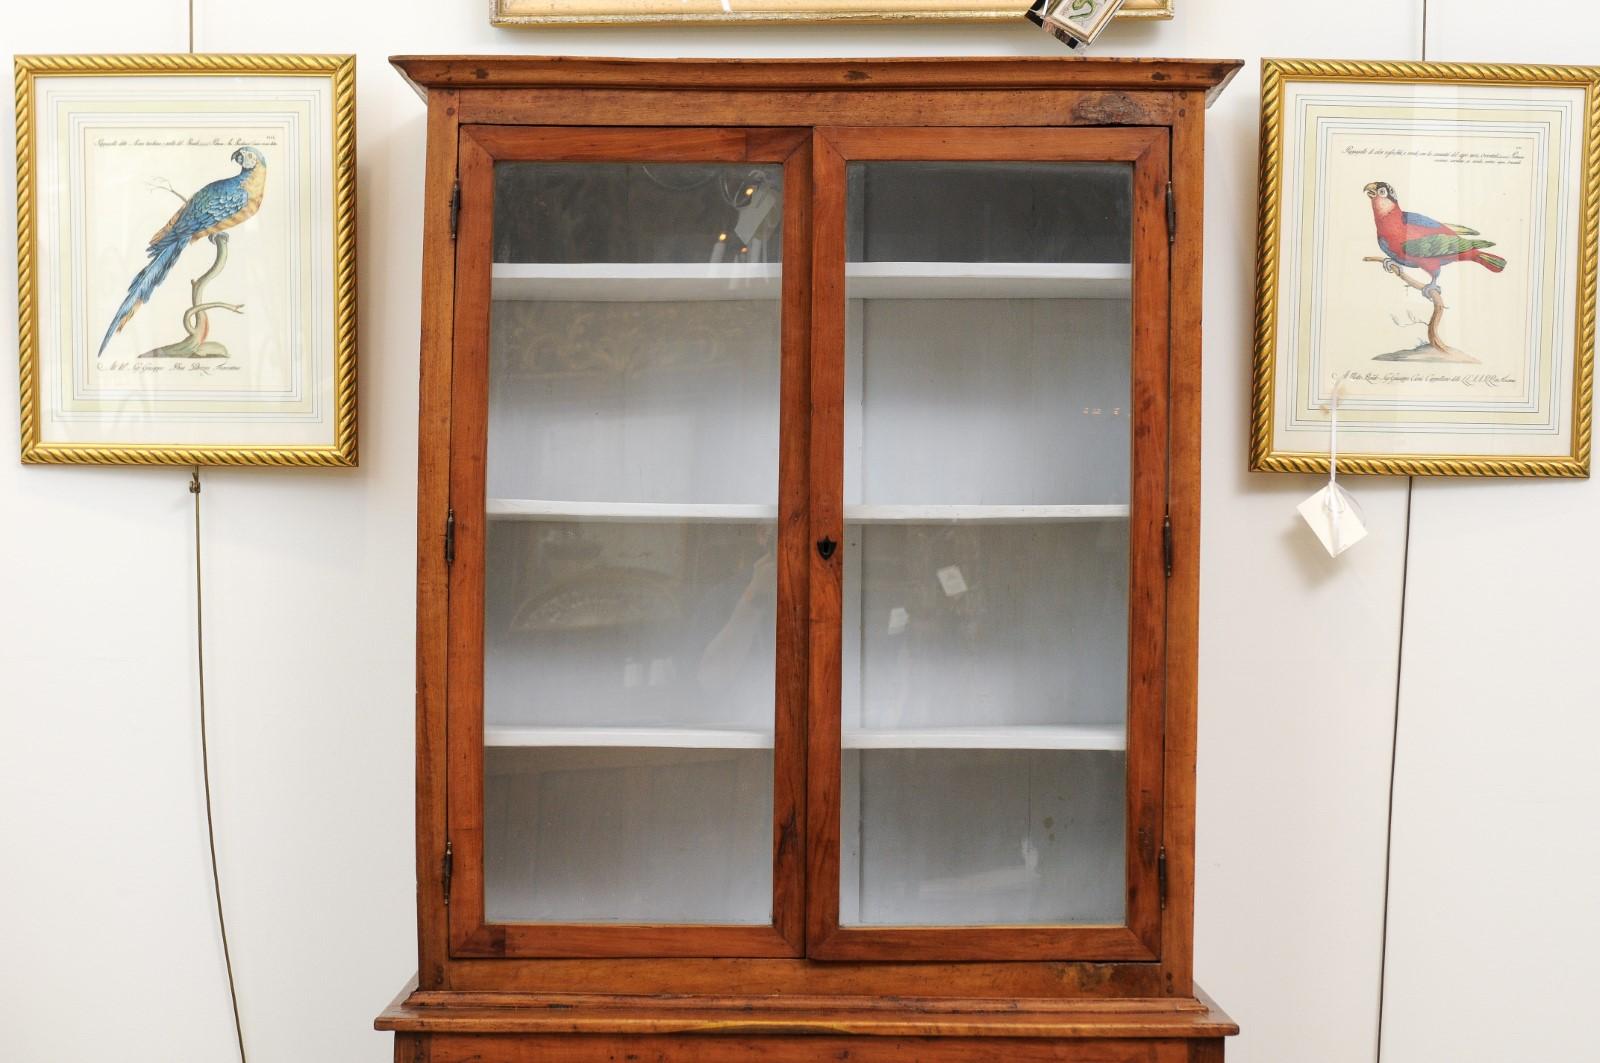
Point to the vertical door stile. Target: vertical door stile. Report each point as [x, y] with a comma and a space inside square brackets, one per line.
[468, 434]
[794, 610]
[433, 578]
[827, 522]
[1148, 546]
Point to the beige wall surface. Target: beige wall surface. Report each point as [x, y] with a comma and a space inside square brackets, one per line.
[107, 935]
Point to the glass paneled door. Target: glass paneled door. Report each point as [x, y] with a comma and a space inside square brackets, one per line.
[627, 598]
[990, 366]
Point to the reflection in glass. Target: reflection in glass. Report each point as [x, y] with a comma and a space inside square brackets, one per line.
[1002, 625]
[619, 625]
[982, 836]
[637, 212]
[628, 835]
[671, 402]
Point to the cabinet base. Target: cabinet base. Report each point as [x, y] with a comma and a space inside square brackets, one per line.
[443, 1027]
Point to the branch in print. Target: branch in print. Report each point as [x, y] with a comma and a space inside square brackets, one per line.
[161, 184]
[1435, 350]
[195, 322]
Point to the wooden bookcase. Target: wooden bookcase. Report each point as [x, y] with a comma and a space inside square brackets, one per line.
[808, 539]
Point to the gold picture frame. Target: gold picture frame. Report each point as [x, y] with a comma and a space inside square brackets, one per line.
[284, 393]
[1510, 143]
[512, 13]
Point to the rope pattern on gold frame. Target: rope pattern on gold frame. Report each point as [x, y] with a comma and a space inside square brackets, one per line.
[1273, 74]
[341, 69]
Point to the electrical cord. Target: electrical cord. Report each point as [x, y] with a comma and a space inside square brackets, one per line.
[205, 761]
[1394, 742]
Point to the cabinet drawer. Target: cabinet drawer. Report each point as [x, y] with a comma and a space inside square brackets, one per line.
[501, 1048]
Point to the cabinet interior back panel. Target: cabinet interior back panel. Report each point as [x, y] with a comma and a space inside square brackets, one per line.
[635, 402]
[1007, 211]
[972, 837]
[628, 835]
[626, 212]
[597, 624]
[989, 625]
[989, 401]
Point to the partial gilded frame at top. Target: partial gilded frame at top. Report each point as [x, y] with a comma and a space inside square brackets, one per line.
[1316, 247]
[757, 12]
[249, 365]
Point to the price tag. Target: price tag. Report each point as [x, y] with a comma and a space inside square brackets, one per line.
[1336, 518]
[952, 581]
[1082, 20]
[753, 215]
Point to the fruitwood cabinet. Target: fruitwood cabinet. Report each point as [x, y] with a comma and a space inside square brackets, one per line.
[807, 575]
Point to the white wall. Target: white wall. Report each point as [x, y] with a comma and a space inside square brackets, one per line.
[106, 929]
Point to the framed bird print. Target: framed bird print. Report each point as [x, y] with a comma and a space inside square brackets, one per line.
[186, 232]
[1427, 249]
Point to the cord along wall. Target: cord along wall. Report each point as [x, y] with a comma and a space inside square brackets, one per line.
[107, 917]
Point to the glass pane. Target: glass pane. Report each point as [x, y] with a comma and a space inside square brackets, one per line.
[584, 212]
[638, 835]
[987, 481]
[632, 485]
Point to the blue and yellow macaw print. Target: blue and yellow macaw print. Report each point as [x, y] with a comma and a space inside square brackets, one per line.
[218, 206]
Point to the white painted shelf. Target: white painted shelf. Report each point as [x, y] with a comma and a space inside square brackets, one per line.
[628, 737]
[988, 280]
[719, 513]
[1061, 736]
[1065, 736]
[629, 512]
[981, 514]
[636, 282]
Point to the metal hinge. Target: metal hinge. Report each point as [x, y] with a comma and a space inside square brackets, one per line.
[450, 537]
[1161, 877]
[1172, 215]
[1166, 541]
[455, 207]
[449, 869]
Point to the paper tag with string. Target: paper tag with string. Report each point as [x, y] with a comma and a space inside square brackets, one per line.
[1333, 513]
[1073, 22]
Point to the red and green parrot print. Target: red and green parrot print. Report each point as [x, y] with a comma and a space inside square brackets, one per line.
[1416, 240]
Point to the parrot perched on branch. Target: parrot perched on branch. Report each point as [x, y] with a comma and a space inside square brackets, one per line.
[219, 205]
[1416, 240]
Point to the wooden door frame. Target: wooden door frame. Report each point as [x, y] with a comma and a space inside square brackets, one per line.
[470, 934]
[1139, 939]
